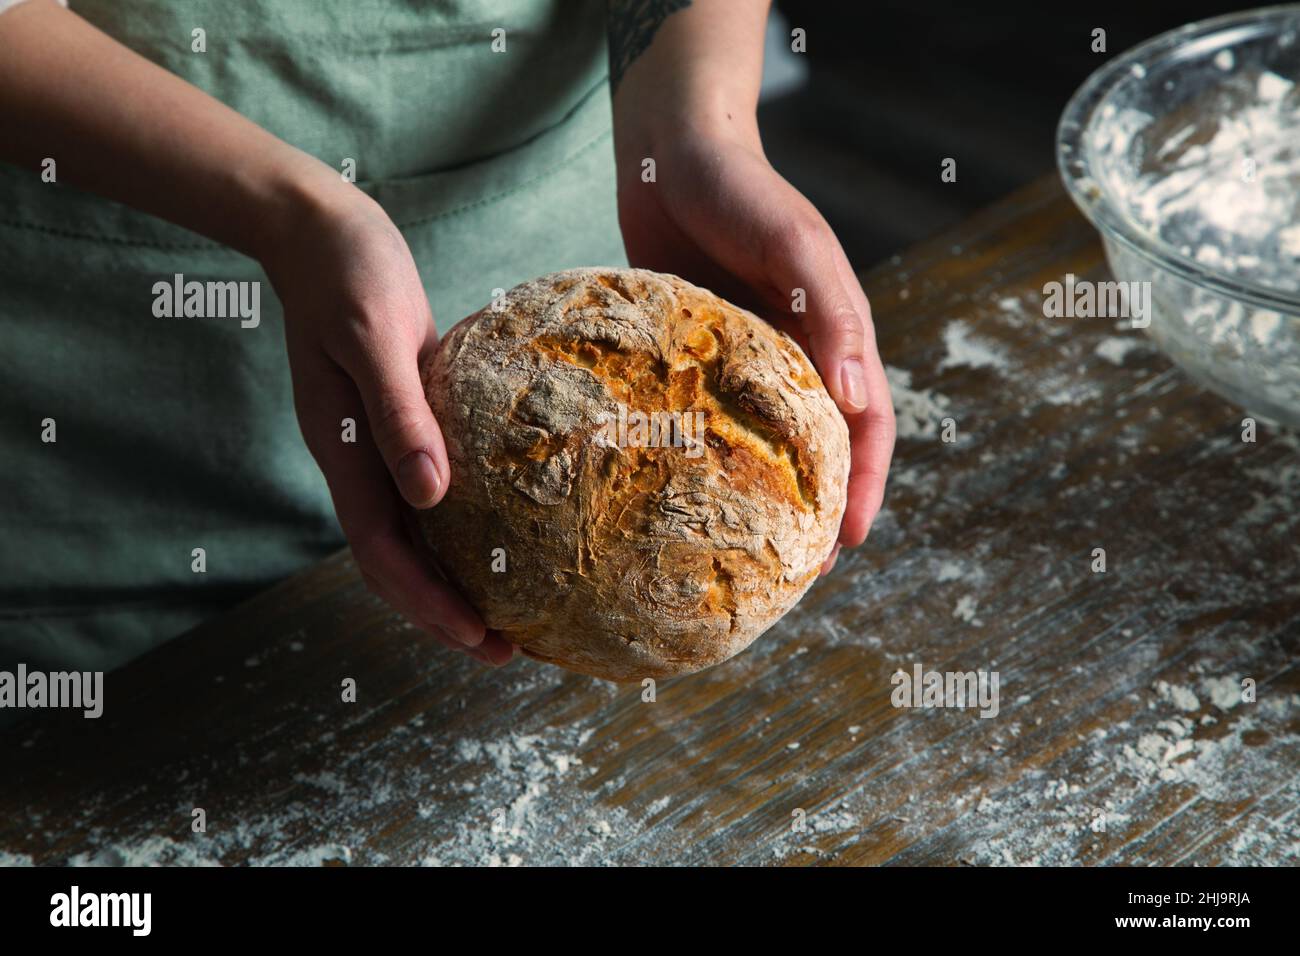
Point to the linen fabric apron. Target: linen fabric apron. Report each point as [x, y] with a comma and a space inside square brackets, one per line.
[179, 433]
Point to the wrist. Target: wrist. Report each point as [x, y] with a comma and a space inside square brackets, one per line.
[689, 81]
[646, 129]
[292, 194]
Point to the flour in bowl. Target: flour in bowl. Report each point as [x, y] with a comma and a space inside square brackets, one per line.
[1216, 180]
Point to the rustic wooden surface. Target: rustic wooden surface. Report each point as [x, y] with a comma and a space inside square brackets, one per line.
[1113, 705]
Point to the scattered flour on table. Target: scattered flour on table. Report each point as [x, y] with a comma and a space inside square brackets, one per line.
[835, 633]
[1115, 348]
[965, 610]
[1072, 388]
[521, 799]
[833, 821]
[1019, 312]
[319, 856]
[918, 411]
[1173, 755]
[948, 569]
[1181, 697]
[964, 349]
[531, 794]
[1223, 692]
[1088, 811]
[152, 851]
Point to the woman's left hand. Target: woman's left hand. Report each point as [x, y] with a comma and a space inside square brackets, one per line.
[716, 213]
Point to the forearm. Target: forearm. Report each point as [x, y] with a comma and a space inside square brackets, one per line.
[676, 66]
[120, 126]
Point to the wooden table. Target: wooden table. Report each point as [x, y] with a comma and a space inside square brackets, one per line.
[1121, 736]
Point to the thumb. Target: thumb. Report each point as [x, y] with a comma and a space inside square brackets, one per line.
[402, 424]
[836, 317]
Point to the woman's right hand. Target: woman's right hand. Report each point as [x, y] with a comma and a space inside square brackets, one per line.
[357, 326]
[356, 318]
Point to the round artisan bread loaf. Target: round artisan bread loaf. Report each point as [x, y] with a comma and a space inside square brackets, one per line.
[644, 477]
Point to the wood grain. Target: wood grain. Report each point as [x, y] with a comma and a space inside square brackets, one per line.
[981, 560]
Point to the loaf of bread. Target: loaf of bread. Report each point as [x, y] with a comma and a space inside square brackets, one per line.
[644, 477]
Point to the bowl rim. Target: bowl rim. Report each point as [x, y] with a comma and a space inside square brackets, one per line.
[1098, 206]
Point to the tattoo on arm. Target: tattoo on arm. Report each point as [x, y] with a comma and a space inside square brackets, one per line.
[632, 27]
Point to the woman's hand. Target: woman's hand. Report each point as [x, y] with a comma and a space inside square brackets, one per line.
[719, 215]
[357, 324]
[356, 318]
[697, 197]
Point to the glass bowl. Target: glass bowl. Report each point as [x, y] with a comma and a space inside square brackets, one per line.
[1184, 152]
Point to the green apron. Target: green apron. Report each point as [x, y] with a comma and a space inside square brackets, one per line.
[176, 434]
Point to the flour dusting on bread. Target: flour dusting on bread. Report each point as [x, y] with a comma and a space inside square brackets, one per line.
[644, 477]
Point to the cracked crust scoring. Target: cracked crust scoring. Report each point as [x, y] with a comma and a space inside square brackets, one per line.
[631, 562]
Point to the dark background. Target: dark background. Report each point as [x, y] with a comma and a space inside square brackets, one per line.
[888, 89]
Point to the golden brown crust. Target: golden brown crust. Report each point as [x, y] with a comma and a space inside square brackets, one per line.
[621, 561]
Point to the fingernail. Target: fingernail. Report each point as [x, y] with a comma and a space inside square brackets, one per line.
[418, 480]
[853, 383]
[460, 638]
[491, 661]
